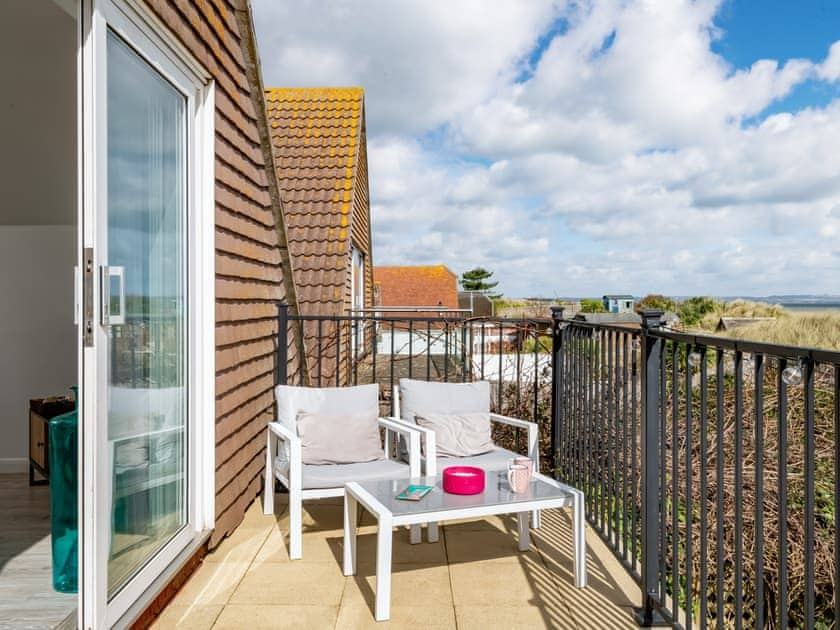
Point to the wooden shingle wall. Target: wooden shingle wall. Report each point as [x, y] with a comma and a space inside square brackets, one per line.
[251, 261]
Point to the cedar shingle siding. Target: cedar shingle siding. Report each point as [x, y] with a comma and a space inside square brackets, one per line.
[251, 261]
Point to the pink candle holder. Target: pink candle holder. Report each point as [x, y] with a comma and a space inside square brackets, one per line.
[463, 480]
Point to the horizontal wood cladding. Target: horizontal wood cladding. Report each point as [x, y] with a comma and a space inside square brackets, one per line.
[229, 425]
[245, 267]
[235, 334]
[243, 311]
[250, 273]
[240, 245]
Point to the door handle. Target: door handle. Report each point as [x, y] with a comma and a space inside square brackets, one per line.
[112, 281]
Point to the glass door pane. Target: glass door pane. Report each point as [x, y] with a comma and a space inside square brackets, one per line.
[147, 372]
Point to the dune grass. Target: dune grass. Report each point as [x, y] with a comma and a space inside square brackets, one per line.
[810, 330]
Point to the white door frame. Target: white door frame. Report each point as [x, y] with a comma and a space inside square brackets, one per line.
[151, 39]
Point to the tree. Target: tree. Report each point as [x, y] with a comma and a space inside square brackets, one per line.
[478, 280]
[591, 305]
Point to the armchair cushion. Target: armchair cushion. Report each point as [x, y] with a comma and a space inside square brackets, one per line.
[334, 401]
[422, 397]
[459, 434]
[336, 475]
[339, 439]
[497, 459]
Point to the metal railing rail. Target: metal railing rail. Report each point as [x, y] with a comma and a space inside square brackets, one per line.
[367, 347]
[711, 467]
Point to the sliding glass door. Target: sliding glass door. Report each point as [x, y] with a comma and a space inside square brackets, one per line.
[147, 291]
[147, 259]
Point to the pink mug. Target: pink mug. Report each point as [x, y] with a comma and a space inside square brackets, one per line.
[525, 461]
[519, 477]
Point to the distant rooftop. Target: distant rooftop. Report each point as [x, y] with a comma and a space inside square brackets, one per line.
[418, 285]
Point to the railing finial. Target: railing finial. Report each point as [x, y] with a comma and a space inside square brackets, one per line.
[651, 317]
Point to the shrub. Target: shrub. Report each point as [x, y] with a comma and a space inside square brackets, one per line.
[591, 305]
[692, 310]
[656, 301]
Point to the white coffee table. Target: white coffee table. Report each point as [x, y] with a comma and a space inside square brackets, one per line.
[377, 497]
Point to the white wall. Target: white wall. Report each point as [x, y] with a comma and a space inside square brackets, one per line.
[37, 334]
[37, 213]
[37, 114]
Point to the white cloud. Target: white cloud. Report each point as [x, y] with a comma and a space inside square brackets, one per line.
[420, 62]
[630, 158]
[829, 70]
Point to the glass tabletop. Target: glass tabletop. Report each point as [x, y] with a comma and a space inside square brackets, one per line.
[496, 492]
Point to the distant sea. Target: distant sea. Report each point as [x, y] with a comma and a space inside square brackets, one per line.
[812, 308]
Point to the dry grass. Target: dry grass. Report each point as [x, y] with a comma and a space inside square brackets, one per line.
[813, 330]
[742, 308]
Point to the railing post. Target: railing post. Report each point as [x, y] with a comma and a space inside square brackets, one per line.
[282, 343]
[647, 615]
[556, 382]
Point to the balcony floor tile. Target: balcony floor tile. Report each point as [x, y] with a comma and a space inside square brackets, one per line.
[474, 577]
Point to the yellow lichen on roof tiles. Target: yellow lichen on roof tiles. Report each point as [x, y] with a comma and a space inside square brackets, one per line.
[317, 172]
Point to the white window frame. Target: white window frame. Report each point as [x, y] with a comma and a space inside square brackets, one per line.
[357, 256]
[151, 39]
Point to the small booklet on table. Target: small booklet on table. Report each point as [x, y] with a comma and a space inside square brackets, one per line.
[414, 493]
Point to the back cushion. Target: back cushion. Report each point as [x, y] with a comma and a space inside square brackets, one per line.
[459, 434]
[339, 439]
[330, 401]
[423, 397]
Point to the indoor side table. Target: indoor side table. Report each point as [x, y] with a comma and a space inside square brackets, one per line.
[377, 497]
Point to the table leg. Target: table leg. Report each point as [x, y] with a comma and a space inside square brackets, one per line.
[350, 533]
[415, 534]
[384, 537]
[433, 532]
[580, 539]
[524, 531]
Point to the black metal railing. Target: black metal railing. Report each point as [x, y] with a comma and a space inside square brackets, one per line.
[711, 467]
[513, 354]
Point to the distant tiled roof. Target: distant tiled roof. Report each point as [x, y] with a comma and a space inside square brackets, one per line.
[417, 286]
[609, 318]
[730, 323]
[316, 133]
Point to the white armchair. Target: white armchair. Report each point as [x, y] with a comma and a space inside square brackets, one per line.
[309, 481]
[414, 397]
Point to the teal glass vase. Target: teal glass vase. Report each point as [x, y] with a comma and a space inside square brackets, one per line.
[64, 500]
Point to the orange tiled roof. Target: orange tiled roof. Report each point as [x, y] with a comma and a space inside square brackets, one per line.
[417, 286]
[316, 134]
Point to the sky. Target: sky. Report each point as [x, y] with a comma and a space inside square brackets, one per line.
[585, 147]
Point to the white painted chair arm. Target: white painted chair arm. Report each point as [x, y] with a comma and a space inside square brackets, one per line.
[412, 434]
[514, 422]
[427, 438]
[533, 434]
[277, 431]
[283, 432]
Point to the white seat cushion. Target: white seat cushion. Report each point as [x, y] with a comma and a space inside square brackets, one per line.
[336, 475]
[497, 459]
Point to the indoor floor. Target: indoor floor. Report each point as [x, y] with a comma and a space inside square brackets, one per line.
[28, 601]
